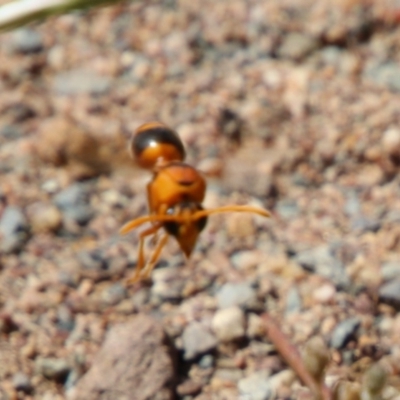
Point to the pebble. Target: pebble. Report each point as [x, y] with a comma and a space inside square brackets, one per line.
[331, 55]
[227, 375]
[321, 261]
[80, 81]
[189, 387]
[325, 293]
[363, 224]
[229, 324]
[44, 217]
[19, 112]
[287, 209]
[386, 74]
[293, 301]
[255, 326]
[22, 382]
[236, 294]
[93, 260]
[65, 319]
[10, 132]
[26, 40]
[296, 46]
[168, 283]
[197, 340]
[352, 206]
[73, 202]
[247, 259]
[207, 361]
[56, 369]
[211, 166]
[13, 229]
[390, 270]
[255, 386]
[343, 332]
[391, 141]
[113, 294]
[390, 293]
[281, 379]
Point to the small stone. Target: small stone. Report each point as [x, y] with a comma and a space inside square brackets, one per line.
[391, 141]
[229, 324]
[247, 259]
[370, 175]
[255, 326]
[228, 375]
[390, 293]
[281, 379]
[80, 81]
[362, 224]
[211, 166]
[10, 132]
[352, 207]
[207, 361]
[189, 388]
[297, 45]
[19, 112]
[13, 229]
[168, 283]
[390, 270]
[322, 261]
[287, 209]
[344, 332]
[21, 382]
[331, 55]
[255, 386]
[93, 260]
[197, 339]
[386, 75]
[44, 217]
[236, 294]
[73, 202]
[55, 369]
[293, 301]
[114, 294]
[325, 293]
[65, 319]
[26, 40]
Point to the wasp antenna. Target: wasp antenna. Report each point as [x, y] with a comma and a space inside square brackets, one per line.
[254, 210]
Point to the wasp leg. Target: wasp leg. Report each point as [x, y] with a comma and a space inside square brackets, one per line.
[155, 256]
[140, 260]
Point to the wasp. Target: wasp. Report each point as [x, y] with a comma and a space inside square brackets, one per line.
[175, 195]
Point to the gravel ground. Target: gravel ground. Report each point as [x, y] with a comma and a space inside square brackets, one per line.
[290, 105]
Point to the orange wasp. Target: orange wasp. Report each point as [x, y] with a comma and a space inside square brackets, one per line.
[174, 194]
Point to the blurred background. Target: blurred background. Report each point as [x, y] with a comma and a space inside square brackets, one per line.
[289, 105]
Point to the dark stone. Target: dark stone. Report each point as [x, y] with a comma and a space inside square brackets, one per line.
[344, 332]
